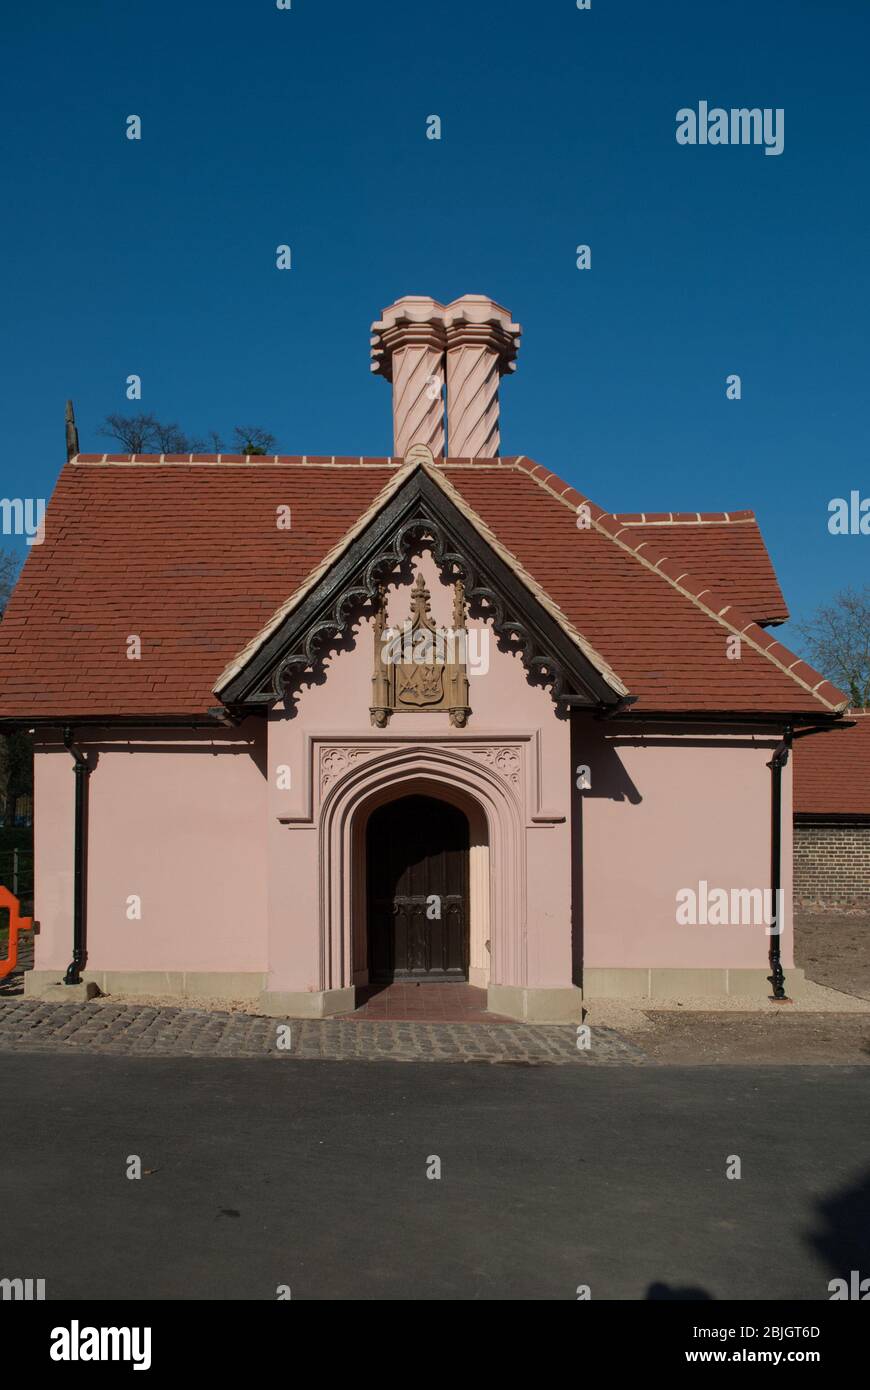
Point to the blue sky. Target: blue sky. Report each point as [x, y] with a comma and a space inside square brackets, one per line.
[308, 127]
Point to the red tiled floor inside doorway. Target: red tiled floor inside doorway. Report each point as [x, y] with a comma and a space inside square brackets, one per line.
[423, 1003]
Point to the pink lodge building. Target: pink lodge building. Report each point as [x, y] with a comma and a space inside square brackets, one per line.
[304, 725]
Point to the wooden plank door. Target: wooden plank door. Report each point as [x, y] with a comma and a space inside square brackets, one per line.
[417, 862]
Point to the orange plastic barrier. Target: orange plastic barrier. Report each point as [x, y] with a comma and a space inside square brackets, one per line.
[16, 924]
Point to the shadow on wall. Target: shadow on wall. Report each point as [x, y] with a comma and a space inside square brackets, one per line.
[247, 740]
[598, 774]
[608, 778]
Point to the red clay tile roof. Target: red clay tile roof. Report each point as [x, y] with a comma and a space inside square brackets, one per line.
[188, 556]
[725, 548]
[832, 770]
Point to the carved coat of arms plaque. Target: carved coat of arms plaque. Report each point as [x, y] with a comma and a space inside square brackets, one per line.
[420, 666]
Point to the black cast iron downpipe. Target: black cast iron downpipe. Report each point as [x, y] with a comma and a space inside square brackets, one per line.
[82, 771]
[776, 764]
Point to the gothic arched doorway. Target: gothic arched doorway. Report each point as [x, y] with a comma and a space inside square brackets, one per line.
[417, 875]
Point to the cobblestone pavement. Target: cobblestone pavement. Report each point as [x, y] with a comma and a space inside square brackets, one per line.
[30, 1025]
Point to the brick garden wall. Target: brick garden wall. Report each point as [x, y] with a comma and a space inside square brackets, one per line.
[832, 865]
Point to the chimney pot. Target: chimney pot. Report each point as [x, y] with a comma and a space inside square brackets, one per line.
[408, 349]
[413, 341]
[482, 344]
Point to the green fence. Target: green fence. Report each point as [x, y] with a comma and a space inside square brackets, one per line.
[16, 872]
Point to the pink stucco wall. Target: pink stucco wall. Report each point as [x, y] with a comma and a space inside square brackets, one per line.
[233, 868]
[506, 709]
[175, 818]
[666, 810]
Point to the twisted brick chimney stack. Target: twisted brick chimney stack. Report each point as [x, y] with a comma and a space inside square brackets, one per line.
[408, 349]
[472, 341]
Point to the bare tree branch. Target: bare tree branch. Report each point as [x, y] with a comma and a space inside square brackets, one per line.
[137, 434]
[169, 439]
[251, 439]
[9, 566]
[837, 637]
[144, 434]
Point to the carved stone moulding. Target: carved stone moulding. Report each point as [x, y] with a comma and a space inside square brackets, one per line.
[335, 761]
[420, 667]
[367, 590]
[504, 760]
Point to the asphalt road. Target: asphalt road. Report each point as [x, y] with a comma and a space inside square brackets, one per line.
[313, 1176]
